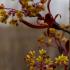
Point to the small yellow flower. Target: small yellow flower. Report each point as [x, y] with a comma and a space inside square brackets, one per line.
[30, 56]
[19, 14]
[42, 52]
[48, 61]
[34, 10]
[32, 62]
[3, 15]
[14, 22]
[52, 30]
[41, 39]
[31, 53]
[49, 40]
[62, 59]
[39, 59]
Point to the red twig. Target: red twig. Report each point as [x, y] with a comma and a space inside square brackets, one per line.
[37, 26]
[65, 67]
[48, 6]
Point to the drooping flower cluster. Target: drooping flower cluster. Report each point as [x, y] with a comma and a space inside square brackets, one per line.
[54, 36]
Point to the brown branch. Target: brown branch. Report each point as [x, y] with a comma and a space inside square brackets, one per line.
[36, 26]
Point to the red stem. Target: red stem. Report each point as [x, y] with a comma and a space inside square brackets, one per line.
[37, 26]
[48, 6]
[65, 67]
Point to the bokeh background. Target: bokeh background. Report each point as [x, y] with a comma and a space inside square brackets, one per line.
[15, 42]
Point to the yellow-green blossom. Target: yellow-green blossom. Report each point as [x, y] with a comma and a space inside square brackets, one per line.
[62, 59]
[32, 62]
[52, 30]
[30, 57]
[31, 53]
[39, 58]
[48, 61]
[42, 51]
[3, 15]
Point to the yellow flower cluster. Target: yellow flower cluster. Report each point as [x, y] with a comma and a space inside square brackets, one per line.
[62, 59]
[42, 38]
[40, 58]
[3, 15]
[46, 61]
[53, 34]
[34, 10]
[30, 58]
[52, 30]
[19, 14]
[32, 53]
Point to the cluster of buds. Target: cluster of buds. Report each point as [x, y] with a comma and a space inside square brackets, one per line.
[29, 8]
[40, 62]
[5, 14]
[32, 8]
[30, 59]
[44, 62]
[42, 38]
[54, 36]
[62, 59]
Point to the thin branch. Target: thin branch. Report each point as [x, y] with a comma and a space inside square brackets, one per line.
[57, 16]
[48, 6]
[60, 48]
[37, 26]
